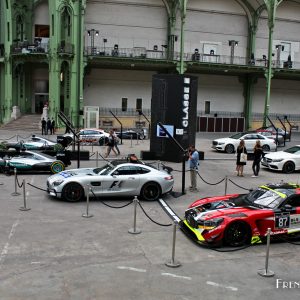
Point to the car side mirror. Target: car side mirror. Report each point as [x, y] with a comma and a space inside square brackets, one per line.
[115, 173]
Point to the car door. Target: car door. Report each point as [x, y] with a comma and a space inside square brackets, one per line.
[287, 217]
[250, 140]
[297, 159]
[124, 181]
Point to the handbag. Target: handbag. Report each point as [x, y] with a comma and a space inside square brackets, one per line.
[243, 157]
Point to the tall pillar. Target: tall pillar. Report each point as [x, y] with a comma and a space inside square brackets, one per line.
[181, 67]
[271, 8]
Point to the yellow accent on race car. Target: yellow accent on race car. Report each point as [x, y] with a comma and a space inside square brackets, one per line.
[198, 234]
[278, 193]
[256, 240]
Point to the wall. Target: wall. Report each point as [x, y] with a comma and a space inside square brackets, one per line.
[127, 24]
[225, 93]
[106, 88]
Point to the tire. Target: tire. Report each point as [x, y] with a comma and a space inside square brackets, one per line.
[266, 148]
[56, 167]
[229, 149]
[72, 192]
[237, 234]
[151, 191]
[102, 141]
[288, 167]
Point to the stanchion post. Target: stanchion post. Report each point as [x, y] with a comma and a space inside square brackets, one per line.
[137, 139]
[24, 208]
[15, 193]
[87, 193]
[134, 230]
[266, 272]
[173, 263]
[226, 182]
[131, 141]
[97, 158]
[183, 175]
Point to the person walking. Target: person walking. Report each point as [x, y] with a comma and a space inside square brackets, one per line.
[258, 154]
[48, 125]
[52, 126]
[117, 140]
[44, 126]
[110, 144]
[241, 158]
[193, 162]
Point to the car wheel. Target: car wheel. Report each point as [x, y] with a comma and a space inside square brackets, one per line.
[72, 192]
[101, 141]
[151, 191]
[57, 167]
[237, 234]
[288, 167]
[266, 148]
[229, 148]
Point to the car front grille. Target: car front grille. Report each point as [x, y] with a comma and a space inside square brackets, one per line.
[215, 143]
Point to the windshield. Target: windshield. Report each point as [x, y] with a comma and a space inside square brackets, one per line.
[237, 135]
[292, 150]
[103, 170]
[266, 198]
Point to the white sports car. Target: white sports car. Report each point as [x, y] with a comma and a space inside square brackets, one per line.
[287, 160]
[231, 143]
[118, 178]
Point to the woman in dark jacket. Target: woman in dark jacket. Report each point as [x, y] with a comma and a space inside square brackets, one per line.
[258, 154]
[240, 163]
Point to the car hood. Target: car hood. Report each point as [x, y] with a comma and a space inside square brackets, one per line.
[279, 154]
[232, 212]
[72, 173]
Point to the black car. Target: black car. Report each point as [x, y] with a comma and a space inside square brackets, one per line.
[131, 134]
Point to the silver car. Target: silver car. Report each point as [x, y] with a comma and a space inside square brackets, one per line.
[119, 178]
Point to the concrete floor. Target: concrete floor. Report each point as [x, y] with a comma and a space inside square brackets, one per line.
[52, 252]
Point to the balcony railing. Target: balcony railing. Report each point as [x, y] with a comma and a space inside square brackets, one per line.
[143, 53]
[25, 48]
[65, 48]
[135, 52]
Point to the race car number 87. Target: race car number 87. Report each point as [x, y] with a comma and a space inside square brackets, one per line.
[282, 220]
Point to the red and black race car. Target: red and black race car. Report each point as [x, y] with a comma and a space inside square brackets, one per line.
[243, 219]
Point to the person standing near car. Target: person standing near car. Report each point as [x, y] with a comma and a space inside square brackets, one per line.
[110, 144]
[44, 125]
[49, 126]
[240, 160]
[52, 126]
[194, 162]
[258, 154]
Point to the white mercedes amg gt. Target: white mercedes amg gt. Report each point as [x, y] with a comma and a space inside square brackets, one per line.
[118, 178]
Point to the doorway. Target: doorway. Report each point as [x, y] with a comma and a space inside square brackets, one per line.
[40, 99]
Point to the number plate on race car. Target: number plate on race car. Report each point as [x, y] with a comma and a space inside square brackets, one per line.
[282, 220]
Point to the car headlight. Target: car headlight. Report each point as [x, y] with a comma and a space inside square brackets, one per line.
[221, 143]
[277, 160]
[211, 224]
[58, 182]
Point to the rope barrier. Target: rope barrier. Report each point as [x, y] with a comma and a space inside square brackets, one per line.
[239, 186]
[8, 138]
[151, 218]
[19, 185]
[211, 183]
[108, 205]
[37, 187]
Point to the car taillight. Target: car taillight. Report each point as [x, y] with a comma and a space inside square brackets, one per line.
[168, 178]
